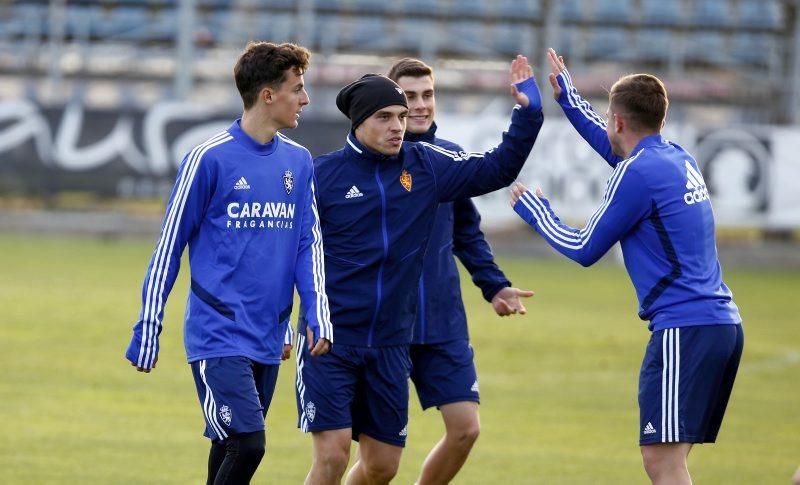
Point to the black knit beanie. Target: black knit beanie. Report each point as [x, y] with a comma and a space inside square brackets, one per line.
[360, 99]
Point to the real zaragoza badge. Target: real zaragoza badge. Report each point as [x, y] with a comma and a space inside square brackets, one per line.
[288, 181]
[405, 180]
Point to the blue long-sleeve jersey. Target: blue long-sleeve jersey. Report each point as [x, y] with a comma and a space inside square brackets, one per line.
[377, 213]
[248, 213]
[656, 205]
[456, 230]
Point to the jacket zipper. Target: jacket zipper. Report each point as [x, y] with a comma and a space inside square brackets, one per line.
[421, 310]
[379, 284]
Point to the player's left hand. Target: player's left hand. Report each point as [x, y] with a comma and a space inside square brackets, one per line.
[520, 71]
[287, 352]
[145, 369]
[323, 345]
[517, 189]
[507, 301]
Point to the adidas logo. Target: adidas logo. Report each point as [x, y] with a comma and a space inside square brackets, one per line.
[241, 185]
[404, 431]
[353, 193]
[475, 387]
[696, 185]
[649, 429]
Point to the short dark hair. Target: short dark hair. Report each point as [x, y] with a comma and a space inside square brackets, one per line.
[265, 64]
[411, 67]
[642, 98]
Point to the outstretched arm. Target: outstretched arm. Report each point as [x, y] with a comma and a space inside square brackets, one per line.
[625, 203]
[590, 125]
[474, 252]
[466, 174]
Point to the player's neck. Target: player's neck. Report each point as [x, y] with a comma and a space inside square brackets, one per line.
[258, 127]
[630, 143]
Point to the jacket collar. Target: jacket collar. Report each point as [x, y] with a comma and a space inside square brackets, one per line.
[250, 144]
[356, 150]
[649, 141]
[429, 136]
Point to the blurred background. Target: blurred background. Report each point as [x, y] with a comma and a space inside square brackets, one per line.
[101, 99]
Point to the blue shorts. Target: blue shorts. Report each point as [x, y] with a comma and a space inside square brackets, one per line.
[362, 388]
[444, 373]
[234, 393]
[686, 379]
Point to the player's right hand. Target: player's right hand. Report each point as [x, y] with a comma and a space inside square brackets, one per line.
[557, 66]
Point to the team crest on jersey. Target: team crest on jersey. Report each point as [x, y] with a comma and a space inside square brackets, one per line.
[311, 411]
[405, 180]
[288, 181]
[225, 414]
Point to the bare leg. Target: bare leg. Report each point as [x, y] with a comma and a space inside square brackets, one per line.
[462, 427]
[377, 462]
[665, 463]
[331, 455]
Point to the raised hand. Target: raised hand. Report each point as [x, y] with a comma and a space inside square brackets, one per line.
[557, 66]
[518, 189]
[520, 72]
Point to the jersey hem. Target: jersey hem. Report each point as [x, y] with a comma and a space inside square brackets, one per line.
[453, 400]
[215, 355]
[662, 326]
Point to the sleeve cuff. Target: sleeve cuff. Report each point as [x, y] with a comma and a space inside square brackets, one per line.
[489, 292]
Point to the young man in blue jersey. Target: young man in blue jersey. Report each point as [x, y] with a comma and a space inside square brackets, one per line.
[442, 363]
[244, 203]
[377, 199]
[656, 205]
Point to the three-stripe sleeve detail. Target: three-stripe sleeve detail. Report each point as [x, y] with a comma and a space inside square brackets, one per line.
[157, 277]
[456, 156]
[575, 239]
[210, 405]
[318, 269]
[577, 102]
[670, 385]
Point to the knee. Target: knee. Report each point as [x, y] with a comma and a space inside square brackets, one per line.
[465, 436]
[657, 462]
[249, 446]
[381, 471]
[333, 460]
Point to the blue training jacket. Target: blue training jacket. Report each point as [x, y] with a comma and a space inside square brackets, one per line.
[248, 214]
[456, 230]
[656, 205]
[377, 214]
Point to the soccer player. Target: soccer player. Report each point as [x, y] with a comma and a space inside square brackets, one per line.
[657, 206]
[377, 200]
[442, 364]
[244, 202]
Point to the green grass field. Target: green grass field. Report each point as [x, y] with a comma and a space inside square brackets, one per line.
[558, 385]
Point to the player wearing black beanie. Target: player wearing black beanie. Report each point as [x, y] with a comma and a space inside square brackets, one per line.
[359, 99]
[377, 197]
